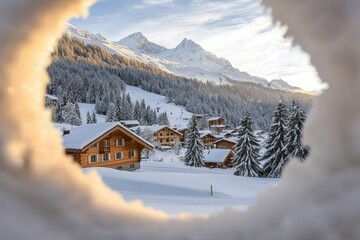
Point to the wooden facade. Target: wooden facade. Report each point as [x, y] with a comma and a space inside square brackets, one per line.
[216, 121]
[117, 149]
[225, 144]
[208, 139]
[167, 136]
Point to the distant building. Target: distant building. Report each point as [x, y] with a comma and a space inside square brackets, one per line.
[51, 101]
[216, 124]
[130, 123]
[162, 134]
[226, 143]
[107, 144]
[207, 138]
[218, 158]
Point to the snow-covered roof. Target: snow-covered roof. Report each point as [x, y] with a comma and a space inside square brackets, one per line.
[51, 97]
[218, 126]
[130, 122]
[214, 118]
[216, 155]
[153, 128]
[81, 136]
[203, 133]
[231, 140]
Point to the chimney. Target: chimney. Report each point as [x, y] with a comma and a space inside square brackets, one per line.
[65, 131]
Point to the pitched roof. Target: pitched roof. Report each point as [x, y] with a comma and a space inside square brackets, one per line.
[214, 118]
[130, 122]
[154, 128]
[231, 140]
[216, 155]
[83, 135]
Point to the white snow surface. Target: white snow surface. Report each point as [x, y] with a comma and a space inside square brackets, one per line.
[88, 107]
[165, 183]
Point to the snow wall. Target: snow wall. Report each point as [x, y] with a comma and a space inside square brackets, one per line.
[43, 195]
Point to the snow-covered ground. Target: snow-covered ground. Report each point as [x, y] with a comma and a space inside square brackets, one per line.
[165, 183]
[87, 107]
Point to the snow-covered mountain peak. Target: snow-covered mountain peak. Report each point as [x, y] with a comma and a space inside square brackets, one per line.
[139, 43]
[189, 45]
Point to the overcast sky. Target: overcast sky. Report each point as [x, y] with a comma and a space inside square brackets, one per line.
[238, 30]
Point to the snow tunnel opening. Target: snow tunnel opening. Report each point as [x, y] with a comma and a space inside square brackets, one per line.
[37, 174]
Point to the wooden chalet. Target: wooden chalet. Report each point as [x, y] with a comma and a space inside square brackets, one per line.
[216, 124]
[162, 134]
[218, 158]
[226, 143]
[107, 144]
[207, 138]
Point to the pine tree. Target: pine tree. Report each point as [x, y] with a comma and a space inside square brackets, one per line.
[163, 119]
[111, 114]
[294, 136]
[70, 116]
[137, 111]
[194, 155]
[94, 120]
[88, 118]
[275, 155]
[247, 150]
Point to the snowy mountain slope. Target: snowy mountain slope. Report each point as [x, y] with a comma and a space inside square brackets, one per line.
[282, 85]
[188, 59]
[193, 61]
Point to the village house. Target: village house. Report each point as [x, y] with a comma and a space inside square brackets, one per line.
[216, 124]
[207, 138]
[218, 158]
[162, 134]
[226, 143]
[107, 144]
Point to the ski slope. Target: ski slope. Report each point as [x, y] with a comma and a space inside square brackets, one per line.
[165, 183]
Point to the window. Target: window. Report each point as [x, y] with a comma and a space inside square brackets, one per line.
[154, 134]
[171, 140]
[132, 154]
[93, 158]
[160, 134]
[95, 145]
[161, 140]
[106, 157]
[119, 168]
[118, 156]
[120, 142]
[106, 143]
[172, 134]
[132, 165]
[167, 140]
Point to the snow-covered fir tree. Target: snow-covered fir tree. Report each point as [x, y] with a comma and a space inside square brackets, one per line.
[70, 115]
[194, 155]
[294, 136]
[137, 111]
[94, 120]
[111, 114]
[89, 119]
[275, 155]
[247, 150]
[163, 119]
